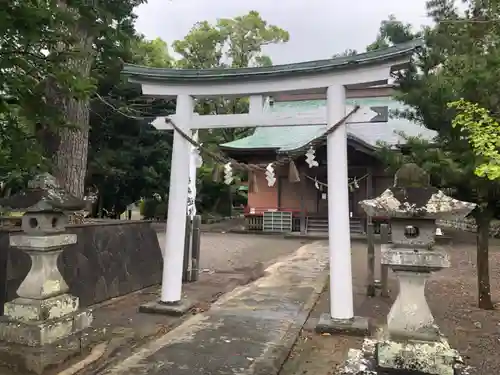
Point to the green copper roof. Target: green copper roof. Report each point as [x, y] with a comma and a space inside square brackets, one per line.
[373, 57]
[291, 138]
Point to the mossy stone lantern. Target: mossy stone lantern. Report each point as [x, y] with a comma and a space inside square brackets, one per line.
[412, 340]
[44, 317]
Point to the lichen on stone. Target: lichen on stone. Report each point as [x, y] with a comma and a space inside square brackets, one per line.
[43, 193]
[412, 197]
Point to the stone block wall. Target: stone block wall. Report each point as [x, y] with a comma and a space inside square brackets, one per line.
[109, 260]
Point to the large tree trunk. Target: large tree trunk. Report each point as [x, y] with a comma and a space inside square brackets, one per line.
[70, 158]
[70, 163]
[483, 220]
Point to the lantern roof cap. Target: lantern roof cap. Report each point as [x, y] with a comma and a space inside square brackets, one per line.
[412, 197]
[43, 194]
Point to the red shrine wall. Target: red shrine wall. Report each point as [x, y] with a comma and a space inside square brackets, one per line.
[288, 195]
[265, 197]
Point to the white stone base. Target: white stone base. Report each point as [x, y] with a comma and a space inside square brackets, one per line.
[436, 358]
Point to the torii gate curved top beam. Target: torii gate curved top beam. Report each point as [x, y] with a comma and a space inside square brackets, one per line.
[332, 76]
[349, 70]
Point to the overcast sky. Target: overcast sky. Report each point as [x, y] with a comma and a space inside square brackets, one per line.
[318, 28]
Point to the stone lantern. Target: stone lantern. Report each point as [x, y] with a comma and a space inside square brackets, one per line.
[43, 326]
[411, 341]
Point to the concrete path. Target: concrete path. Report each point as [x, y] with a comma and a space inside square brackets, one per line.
[251, 330]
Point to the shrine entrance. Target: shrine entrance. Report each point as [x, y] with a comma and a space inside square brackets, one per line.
[329, 77]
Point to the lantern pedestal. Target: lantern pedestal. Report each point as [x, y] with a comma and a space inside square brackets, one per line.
[44, 326]
[410, 316]
[411, 341]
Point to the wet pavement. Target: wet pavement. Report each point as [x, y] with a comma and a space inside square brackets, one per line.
[250, 330]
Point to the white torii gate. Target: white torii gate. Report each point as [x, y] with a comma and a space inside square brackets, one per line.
[331, 77]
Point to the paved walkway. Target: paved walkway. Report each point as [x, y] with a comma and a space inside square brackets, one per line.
[315, 354]
[248, 331]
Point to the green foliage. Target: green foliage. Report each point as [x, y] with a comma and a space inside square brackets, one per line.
[44, 50]
[149, 208]
[444, 71]
[456, 62]
[161, 211]
[128, 157]
[346, 53]
[246, 36]
[152, 53]
[142, 205]
[483, 133]
[27, 30]
[154, 209]
[237, 43]
[393, 32]
[20, 153]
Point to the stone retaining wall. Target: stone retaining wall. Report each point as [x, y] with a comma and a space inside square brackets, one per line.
[109, 260]
[469, 225]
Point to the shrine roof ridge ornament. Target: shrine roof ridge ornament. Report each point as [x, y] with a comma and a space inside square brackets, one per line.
[309, 67]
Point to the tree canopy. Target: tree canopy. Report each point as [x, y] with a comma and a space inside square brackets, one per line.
[483, 132]
[27, 31]
[393, 31]
[237, 42]
[60, 64]
[230, 42]
[128, 158]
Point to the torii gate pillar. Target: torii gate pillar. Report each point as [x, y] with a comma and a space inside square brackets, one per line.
[330, 76]
[178, 192]
[339, 244]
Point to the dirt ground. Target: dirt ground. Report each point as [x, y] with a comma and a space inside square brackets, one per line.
[225, 251]
[452, 297]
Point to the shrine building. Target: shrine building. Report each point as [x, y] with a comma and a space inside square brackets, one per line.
[303, 206]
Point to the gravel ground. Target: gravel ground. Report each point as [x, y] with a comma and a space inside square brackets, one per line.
[452, 297]
[229, 251]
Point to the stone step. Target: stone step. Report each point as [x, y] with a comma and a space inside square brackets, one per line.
[318, 224]
[323, 227]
